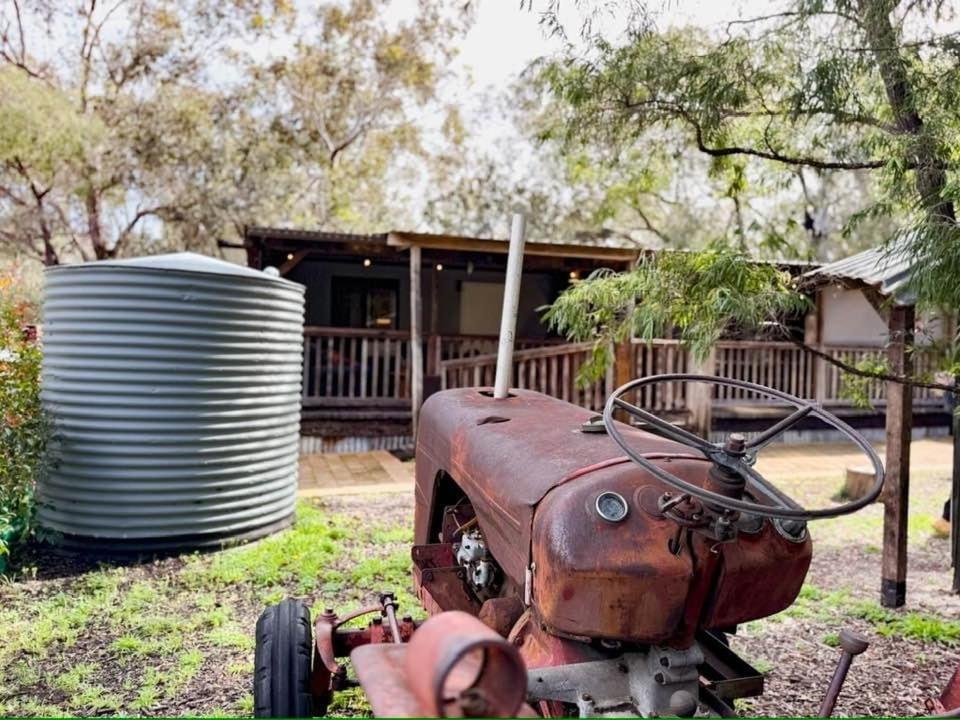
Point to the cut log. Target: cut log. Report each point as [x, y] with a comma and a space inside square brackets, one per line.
[858, 482]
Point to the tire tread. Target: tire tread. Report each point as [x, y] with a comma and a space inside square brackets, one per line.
[284, 650]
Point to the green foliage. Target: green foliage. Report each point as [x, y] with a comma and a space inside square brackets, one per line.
[838, 111]
[144, 126]
[24, 427]
[699, 295]
[856, 388]
[831, 640]
[913, 625]
[40, 127]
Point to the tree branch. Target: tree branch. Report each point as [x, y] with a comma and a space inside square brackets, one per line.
[650, 227]
[807, 161]
[13, 56]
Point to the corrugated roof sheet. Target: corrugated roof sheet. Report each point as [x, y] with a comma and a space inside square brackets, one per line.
[887, 270]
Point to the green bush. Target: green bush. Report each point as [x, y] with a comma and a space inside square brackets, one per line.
[24, 427]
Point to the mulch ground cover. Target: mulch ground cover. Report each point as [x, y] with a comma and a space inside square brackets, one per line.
[174, 636]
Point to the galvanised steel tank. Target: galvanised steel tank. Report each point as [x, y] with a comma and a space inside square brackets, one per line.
[174, 383]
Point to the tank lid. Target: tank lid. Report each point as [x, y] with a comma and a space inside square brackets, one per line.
[186, 262]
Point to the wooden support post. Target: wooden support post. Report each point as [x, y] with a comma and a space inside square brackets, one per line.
[955, 490]
[433, 337]
[700, 396]
[433, 354]
[812, 336]
[416, 338]
[624, 368]
[893, 585]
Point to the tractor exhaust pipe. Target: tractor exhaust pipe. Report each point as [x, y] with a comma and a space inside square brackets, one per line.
[511, 302]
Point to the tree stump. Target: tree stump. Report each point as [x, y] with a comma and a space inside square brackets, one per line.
[858, 482]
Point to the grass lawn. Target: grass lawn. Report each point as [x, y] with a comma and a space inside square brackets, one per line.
[175, 636]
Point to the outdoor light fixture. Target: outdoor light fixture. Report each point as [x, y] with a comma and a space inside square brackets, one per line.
[289, 256]
[574, 275]
[439, 267]
[367, 262]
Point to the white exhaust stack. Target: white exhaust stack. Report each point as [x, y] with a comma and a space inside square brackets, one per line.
[511, 301]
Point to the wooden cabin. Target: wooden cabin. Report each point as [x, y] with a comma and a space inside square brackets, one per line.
[374, 302]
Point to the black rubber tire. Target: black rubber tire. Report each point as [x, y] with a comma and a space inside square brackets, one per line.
[284, 650]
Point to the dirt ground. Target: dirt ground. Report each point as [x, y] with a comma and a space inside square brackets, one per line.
[174, 636]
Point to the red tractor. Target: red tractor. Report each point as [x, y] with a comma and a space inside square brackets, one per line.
[573, 565]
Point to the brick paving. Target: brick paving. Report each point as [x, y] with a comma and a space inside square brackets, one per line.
[349, 473]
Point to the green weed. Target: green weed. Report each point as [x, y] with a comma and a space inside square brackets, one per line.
[912, 625]
[72, 680]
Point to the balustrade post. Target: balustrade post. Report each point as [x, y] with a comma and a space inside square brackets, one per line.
[416, 340]
[813, 337]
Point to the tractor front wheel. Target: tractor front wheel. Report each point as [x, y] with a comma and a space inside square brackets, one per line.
[284, 650]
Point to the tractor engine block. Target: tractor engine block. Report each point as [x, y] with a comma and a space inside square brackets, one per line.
[475, 558]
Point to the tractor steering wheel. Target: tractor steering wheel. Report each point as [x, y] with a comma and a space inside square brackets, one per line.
[782, 506]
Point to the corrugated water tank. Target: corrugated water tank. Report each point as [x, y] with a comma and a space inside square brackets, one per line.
[174, 383]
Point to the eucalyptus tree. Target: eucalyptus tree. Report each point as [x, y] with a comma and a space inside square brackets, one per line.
[863, 89]
[154, 123]
[806, 90]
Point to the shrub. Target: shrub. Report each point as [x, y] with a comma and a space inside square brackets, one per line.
[24, 427]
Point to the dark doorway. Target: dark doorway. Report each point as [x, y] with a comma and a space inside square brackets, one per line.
[364, 302]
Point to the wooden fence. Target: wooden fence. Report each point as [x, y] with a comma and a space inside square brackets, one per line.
[346, 367]
[780, 365]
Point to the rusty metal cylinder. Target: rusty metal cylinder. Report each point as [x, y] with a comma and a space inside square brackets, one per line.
[457, 666]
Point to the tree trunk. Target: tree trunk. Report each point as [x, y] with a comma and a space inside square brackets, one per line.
[49, 252]
[931, 177]
[93, 227]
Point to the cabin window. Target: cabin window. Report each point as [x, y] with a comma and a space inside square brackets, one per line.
[364, 302]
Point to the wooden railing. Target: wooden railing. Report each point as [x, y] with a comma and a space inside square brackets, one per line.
[780, 365]
[661, 357]
[456, 347]
[551, 370]
[345, 366]
[352, 367]
[925, 362]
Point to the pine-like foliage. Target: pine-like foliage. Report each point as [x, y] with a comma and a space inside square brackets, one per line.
[697, 295]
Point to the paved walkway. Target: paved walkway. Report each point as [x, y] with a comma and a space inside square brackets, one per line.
[379, 471]
[354, 473]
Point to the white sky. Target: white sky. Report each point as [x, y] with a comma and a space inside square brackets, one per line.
[505, 39]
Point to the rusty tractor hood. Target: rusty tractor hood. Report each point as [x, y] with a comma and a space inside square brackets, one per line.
[508, 454]
[533, 477]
